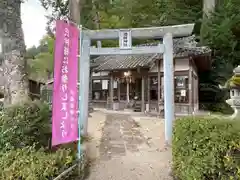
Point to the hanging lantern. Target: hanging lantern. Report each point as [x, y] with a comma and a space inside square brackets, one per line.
[127, 79]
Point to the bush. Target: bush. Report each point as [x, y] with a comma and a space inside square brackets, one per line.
[223, 107]
[25, 133]
[206, 148]
[25, 125]
[31, 164]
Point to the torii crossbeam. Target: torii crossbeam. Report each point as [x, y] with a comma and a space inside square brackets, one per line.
[125, 37]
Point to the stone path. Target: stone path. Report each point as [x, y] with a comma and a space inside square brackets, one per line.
[126, 154]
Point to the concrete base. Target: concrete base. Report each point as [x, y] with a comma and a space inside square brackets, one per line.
[236, 113]
[115, 106]
[128, 110]
[147, 108]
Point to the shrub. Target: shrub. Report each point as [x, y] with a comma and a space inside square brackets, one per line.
[25, 125]
[25, 133]
[221, 107]
[206, 148]
[31, 164]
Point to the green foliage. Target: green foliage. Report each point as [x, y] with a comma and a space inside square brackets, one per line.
[222, 35]
[46, 95]
[184, 11]
[206, 148]
[31, 164]
[220, 107]
[25, 133]
[220, 31]
[233, 82]
[40, 66]
[25, 125]
[31, 52]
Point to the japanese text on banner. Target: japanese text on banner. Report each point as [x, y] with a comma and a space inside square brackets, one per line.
[65, 93]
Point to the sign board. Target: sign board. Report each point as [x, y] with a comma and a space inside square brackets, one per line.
[125, 39]
[65, 91]
[183, 92]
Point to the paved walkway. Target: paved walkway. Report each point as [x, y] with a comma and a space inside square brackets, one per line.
[126, 153]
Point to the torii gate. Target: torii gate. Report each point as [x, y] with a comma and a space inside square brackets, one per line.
[125, 37]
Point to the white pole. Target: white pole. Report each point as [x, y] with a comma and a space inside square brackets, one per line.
[168, 86]
[79, 94]
[128, 100]
[84, 82]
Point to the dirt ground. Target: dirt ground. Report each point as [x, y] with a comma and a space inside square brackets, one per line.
[126, 147]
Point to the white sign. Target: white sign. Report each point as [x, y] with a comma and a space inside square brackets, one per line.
[104, 84]
[115, 83]
[125, 39]
[183, 93]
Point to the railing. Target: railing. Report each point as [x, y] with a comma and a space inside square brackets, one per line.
[80, 166]
[46, 95]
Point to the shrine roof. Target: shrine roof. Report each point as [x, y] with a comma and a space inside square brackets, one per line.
[182, 47]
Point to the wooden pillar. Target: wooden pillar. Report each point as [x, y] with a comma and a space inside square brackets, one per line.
[194, 86]
[148, 92]
[119, 90]
[127, 98]
[137, 87]
[159, 84]
[143, 99]
[111, 91]
[190, 109]
[197, 93]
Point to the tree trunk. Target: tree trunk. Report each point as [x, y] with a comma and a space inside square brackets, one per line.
[208, 8]
[74, 7]
[13, 46]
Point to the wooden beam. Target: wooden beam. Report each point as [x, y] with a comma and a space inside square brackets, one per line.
[119, 90]
[159, 85]
[111, 90]
[143, 98]
[148, 92]
[190, 88]
[133, 50]
[143, 33]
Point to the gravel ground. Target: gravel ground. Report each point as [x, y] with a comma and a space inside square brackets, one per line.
[127, 148]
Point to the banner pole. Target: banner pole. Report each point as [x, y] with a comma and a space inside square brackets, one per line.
[79, 94]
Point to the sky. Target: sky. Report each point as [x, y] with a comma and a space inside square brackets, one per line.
[34, 22]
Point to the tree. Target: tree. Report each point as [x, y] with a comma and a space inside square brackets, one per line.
[222, 35]
[220, 31]
[60, 10]
[40, 66]
[13, 45]
[31, 52]
[208, 9]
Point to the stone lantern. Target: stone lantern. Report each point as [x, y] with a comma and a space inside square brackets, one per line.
[234, 100]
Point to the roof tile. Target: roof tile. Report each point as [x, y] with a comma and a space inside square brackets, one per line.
[182, 47]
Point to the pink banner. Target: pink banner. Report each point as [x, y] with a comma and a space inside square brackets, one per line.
[65, 96]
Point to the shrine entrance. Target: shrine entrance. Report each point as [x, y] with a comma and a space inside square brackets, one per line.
[164, 34]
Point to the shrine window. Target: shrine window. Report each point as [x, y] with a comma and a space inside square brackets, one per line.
[154, 88]
[181, 89]
[100, 89]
